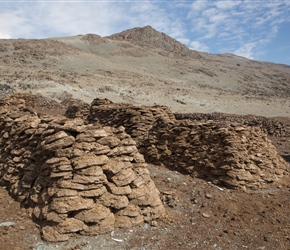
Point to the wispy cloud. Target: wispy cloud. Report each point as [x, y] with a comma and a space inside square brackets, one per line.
[241, 27]
[196, 45]
[246, 50]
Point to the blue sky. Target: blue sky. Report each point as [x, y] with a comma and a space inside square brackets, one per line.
[257, 30]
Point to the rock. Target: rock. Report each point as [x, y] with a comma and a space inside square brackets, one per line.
[91, 171]
[122, 150]
[209, 196]
[6, 224]
[206, 215]
[114, 201]
[124, 177]
[50, 234]
[70, 225]
[64, 205]
[119, 190]
[123, 222]
[66, 193]
[130, 211]
[83, 179]
[110, 141]
[88, 160]
[55, 217]
[93, 215]
[58, 144]
[114, 166]
[104, 226]
[57, 136]
[93, 193]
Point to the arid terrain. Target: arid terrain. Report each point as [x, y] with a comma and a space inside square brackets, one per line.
[145, 67]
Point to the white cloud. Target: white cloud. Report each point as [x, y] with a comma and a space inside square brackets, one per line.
[225, 5]
[184, 40]
[240, 27]
[101, 18]
[246, 50]
[196, 45]
[197, 6]
[12, 22]
[4, 35]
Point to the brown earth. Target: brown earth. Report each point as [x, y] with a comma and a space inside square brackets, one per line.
[145, 67]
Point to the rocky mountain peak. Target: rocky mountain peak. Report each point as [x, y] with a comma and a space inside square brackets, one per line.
[149, 37]
[93, 39]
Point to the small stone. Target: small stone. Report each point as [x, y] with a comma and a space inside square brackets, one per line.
[205, 215]
[70, 225]
[209, 196]
[52, 235]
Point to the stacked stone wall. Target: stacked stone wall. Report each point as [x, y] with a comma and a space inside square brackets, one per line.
[230, 155]
[74, 178]
[270, 126]
[137, 120]
[76, 108]
[224, 152]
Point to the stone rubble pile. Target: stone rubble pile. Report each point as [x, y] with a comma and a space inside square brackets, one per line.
[74, 178]
[235, 156]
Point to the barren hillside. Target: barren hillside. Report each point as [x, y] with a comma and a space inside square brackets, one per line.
[144, 66]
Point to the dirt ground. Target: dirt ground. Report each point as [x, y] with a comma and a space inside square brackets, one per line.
[200, 215]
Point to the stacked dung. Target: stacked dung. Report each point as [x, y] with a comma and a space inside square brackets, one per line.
[137, 120]
[74, 178]
[76, 108]
[232, 155]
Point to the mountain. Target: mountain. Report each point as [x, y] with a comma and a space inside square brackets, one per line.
[152, 39]
[143, 66]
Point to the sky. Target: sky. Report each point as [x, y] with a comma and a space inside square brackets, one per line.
[258, 30]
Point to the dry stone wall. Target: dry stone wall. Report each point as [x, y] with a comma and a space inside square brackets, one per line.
[226, 153]
[76, 108]
[271, 126]
[137, 120]
[74, 178]
[234, 156]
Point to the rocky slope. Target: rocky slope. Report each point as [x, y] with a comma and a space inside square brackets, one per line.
[144, 66]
